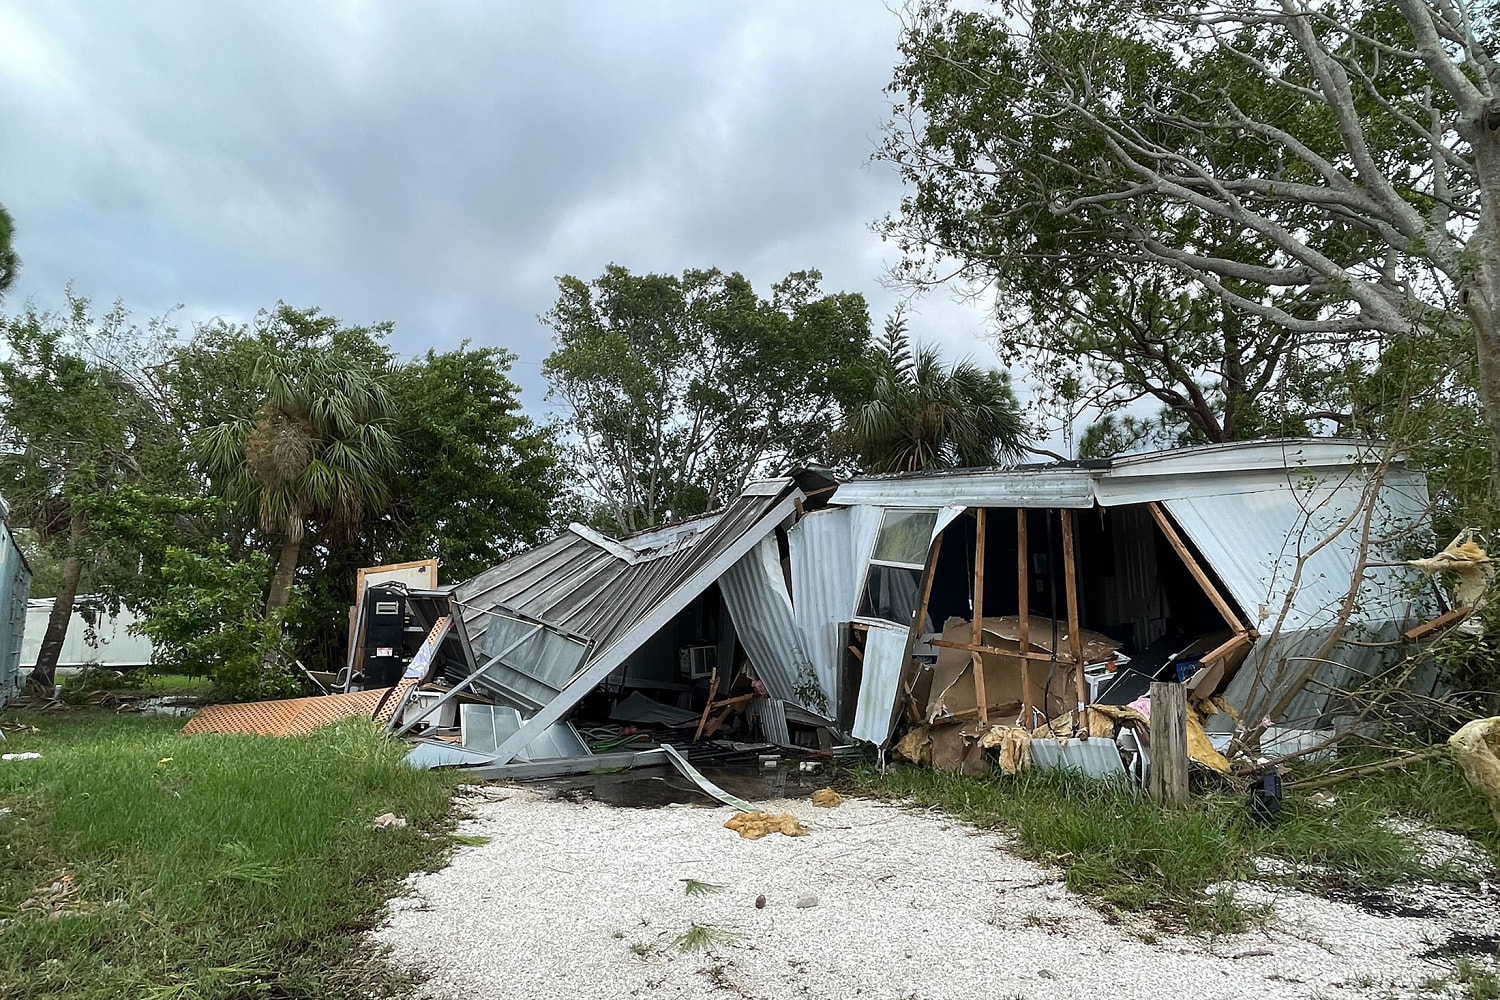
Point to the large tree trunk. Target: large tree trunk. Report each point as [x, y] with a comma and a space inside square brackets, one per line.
[44, 674]
[286, 570]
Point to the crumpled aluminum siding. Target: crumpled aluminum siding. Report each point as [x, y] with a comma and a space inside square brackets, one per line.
[829, 549]
[1253, 539]
[755, 592]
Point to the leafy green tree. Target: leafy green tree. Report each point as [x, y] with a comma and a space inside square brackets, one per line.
[922, 414]
[319, 448]
[479, 479]
[676, 390]
[76, 428]
[1224, 206]
[10, 262]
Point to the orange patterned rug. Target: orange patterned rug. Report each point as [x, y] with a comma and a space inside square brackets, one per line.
[293, 716]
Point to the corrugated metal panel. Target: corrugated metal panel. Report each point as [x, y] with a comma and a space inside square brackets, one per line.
[880, 683]
[1255, 540]
[825, 585]
[1243, 456]
[771, 714]
[15, 587]
[1047, 487]
[755, 592]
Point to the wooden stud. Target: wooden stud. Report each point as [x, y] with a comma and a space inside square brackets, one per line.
[978, 658]
[1209, 590]
[1169, 757]
[1023, 620]
[1075, 636]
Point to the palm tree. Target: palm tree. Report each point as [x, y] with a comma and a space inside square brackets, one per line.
[922, 414]
[318, 449]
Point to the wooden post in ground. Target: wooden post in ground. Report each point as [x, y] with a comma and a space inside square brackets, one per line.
[1023, 612]
[978, 658]
[1075, 632]
[1169, 757]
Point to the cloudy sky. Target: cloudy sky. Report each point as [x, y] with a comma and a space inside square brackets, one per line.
[438, 164]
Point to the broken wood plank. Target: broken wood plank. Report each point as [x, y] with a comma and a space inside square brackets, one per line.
[1169, 757]
[1075, 637]
[1437, 624]
[1023, 621]
[978, 631]
[998, 651]
[713, 689]
[1209, 590]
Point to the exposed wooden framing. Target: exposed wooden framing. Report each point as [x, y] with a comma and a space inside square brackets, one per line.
[859, 654]
[912, 634]
[1169, 757]
[1210, 591]
[726, 707]
[1075, 635]
[978, 631]
[1440, 622]
[1023, 612]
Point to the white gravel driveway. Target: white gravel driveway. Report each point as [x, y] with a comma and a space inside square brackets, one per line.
[588, 900]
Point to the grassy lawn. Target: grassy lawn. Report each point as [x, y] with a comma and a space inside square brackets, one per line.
[205, 866]
[1118, 848]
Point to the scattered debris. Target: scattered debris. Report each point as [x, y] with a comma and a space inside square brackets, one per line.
[827, 798]
[29, 755]
[755, 825]
[290, 716]
[1477, 747]
[389, 821]
[806, 901]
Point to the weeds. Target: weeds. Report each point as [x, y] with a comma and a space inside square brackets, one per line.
[1477, 979]
[696, 888]
[469, 839]
[702, 937]
[1116, 847]
[207, 867]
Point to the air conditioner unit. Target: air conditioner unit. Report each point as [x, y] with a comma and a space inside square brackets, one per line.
[698, 661]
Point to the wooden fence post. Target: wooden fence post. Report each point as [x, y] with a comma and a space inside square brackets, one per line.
[1169, 759]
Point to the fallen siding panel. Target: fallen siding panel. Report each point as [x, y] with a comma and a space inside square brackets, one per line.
[880, 685]
[755, 592]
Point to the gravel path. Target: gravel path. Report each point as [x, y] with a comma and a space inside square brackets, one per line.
[587, 900]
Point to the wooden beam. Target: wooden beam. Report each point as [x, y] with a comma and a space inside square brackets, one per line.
[978, 631]
[1209, 590]
[999, 651]
[1440, 622]
[1075, 631]
[1224, 650]
[1169, 757]
[1023, 622]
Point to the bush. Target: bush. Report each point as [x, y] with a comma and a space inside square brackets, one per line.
[208, 618]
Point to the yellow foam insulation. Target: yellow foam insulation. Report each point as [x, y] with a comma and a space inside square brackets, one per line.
[1477, 747]
[1470, 564]
[827, 798]
[753, 826]
[1015, 751]
[915, 746]
[1199, 748]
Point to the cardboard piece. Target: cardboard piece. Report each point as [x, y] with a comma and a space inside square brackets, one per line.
[955, 750]
[952, 690]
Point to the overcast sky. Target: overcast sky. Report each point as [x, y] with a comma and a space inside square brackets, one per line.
[438, 164]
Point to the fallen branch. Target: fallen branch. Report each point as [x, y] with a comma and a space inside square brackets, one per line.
[1344, 774]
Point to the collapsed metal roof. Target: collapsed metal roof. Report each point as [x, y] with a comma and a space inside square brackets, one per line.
[604, 597]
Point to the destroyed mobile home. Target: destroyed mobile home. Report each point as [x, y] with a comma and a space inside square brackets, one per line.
[949, 615]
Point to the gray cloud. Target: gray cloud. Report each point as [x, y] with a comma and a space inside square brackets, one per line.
[439, 164]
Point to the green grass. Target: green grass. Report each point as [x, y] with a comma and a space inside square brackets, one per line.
[1116, 847]
[204, 867]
